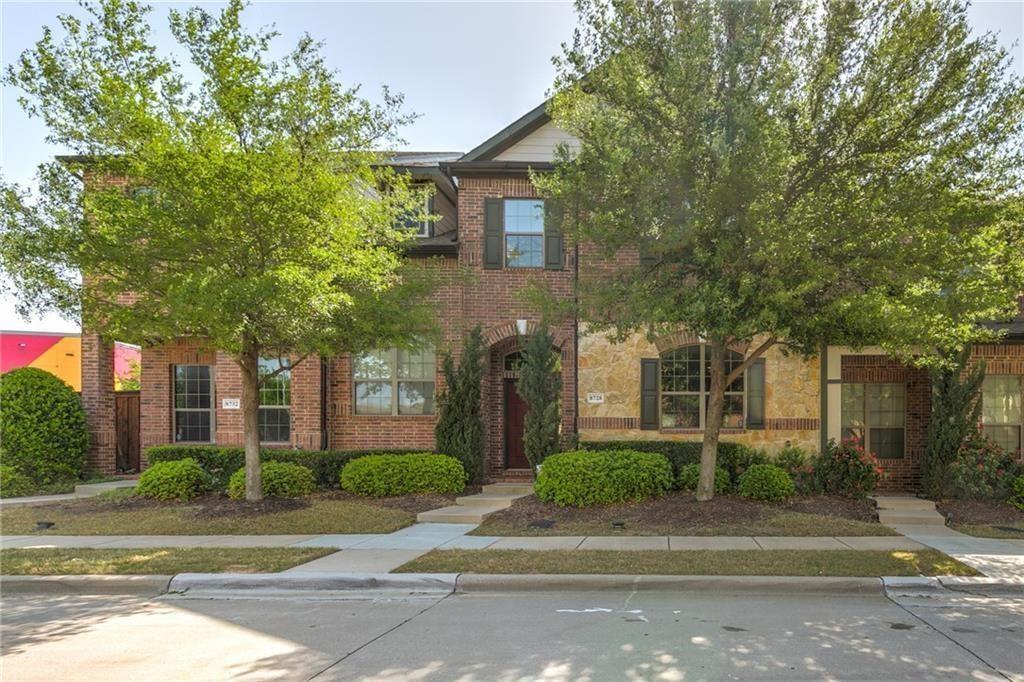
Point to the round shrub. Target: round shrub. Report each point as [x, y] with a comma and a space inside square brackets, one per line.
[689, 477]
[13, 483]
[766, 482]
[389, 475]
[180, 480]
[279, 479]
[847, 468]
[42, 426]
[584, 477]
[1017, 493]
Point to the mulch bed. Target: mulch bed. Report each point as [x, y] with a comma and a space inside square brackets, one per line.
[682, 508]
[979, 512]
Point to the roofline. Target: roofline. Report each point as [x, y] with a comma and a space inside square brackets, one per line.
[510, 134]
[448, 249]
[436, 175]
[470, 168]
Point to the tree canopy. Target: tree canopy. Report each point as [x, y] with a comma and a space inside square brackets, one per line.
[250, 209]
[791, 174]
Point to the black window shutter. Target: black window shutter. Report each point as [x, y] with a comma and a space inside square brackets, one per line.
[755, 394]
[649, 370]
[553, 249]
[494, 218]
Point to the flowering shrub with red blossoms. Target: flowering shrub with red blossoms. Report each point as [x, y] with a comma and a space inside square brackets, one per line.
[848, 469]
[982, 470]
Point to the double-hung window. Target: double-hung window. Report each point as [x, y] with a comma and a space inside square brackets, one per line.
[686, 385]
[875, 414]
[275, 401]
[193, 404]
[1002, 415]
[524, 233]
[395, 381]
[418, 224]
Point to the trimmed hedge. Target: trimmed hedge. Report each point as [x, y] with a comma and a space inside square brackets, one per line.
[279, 479]
[222, 462]
[766, 482]
[689, 477]
[13, 483]
[180, 480]
[581, 478]
[733, 457]
[43, 432]
[415, 472]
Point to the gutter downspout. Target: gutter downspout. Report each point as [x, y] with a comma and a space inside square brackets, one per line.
[323, 403]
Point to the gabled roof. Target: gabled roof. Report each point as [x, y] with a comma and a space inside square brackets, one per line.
[509, 135]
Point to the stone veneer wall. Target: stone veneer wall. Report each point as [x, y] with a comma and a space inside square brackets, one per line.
[792, 395]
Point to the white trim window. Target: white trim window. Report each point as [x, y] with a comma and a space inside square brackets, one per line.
[193, 403]
[395, 381]
[421, 228]
[685, 386]
[875, 414]
[1002, 414]
[275, 402]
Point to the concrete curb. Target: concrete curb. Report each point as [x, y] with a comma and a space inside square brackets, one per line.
[325, 585]
[140, 585]
[384, 585]
[470, 583]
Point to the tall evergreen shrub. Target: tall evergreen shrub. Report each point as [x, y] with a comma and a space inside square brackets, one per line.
[540, 386]
[956, 412]
[460, 425]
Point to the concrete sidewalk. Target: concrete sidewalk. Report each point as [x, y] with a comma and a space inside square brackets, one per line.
[993, 558]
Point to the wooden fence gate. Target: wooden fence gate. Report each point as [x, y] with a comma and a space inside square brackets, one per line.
[126, 409]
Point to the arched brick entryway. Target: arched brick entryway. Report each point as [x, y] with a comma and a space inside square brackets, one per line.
[504, 340]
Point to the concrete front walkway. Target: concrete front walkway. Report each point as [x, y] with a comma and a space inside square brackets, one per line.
[918, 520]
[83, 490]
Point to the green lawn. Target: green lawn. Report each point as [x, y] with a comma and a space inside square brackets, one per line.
[841, 563]
[160, 561]
[993, 530]
[118, 513]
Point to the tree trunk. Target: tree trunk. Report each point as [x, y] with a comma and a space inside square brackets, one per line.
[715, 350]
[249, 364]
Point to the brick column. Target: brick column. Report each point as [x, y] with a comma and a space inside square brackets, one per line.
[305, 407]
[98, 401]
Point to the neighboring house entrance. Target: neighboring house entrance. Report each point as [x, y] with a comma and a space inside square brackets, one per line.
[126, 410]
[515, 412]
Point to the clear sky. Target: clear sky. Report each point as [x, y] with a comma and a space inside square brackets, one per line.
[468, 68]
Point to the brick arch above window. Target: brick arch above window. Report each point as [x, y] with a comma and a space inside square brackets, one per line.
[669, 342]
[509, 330]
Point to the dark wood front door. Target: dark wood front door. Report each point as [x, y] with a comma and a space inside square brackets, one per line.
[126, 415]
[515, 411]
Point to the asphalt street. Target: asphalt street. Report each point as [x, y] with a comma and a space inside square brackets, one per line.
[609, 635]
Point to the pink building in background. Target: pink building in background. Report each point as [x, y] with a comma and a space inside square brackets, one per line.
[61, 355]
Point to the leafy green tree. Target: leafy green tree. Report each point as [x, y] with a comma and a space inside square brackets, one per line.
[247, 209]
[955, 415]
[460, 426]
[791, 174]
[540, 387]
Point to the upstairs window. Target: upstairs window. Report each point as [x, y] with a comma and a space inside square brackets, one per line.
[275, 402]
[395, 381]
[1002, 414]
[524, 233]
[416, 223]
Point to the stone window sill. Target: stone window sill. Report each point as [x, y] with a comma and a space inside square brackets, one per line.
[701, 431]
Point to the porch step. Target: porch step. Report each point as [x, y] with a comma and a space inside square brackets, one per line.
[474, 508]
[456, 514]
[514, 489]
[901, 510]
[894, 502]
[499, 500]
